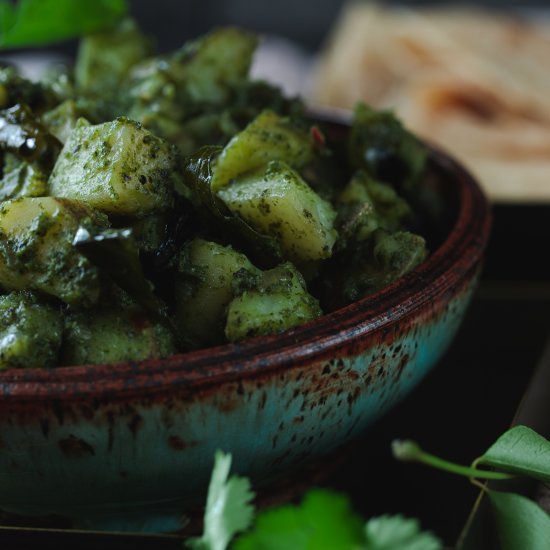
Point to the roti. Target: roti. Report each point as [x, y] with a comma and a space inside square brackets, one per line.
[474, 82]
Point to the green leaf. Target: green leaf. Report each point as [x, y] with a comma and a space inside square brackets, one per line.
[398, 533]
[37, 22]
[115, 252]
[521, 451]
[228, 508]
[521, 523]
[323, 521]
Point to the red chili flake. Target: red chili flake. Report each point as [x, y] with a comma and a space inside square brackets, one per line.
[318, 136]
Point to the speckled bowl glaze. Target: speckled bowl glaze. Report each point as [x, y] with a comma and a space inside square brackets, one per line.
[131, 446]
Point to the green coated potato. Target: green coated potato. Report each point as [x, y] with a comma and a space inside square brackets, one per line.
[62, 120]
[36, 250]
[30, 331]
[278, 202]
[22, 179]
[268, 137]
[111, 335]
[105, 58]
[116, 167]
[208, 275]
[279, 302]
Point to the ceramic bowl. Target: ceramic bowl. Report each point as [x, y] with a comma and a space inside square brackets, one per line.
[130, 446]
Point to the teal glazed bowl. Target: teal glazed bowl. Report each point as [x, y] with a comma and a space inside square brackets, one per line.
[130, 446]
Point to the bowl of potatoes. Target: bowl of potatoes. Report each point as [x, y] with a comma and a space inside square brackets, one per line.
[190, 261]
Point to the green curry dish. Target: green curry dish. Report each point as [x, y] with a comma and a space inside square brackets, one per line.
[365, 205]
[268, 137]
[217, 124]
[369, 267]
[277, 202]
[22, 134]
[15, 90]
[379, 144]
[205, 198]
[251, 97]
[217, 218]
[150, 232]
[278, 302]
[30, 331]
[115, 253]
[211, 65]
[208, 274]
[167, 94]
[22, 179]
[37, 252]
[110, 335]
[105, 58]
[116, 167]
[62, 120]
[252, 187]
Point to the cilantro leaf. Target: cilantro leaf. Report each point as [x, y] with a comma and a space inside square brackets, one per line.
[323, 521]
[398, 533]
[228, 509]
[37, 22]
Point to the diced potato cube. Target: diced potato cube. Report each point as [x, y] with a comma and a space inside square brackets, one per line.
[22, 179]
[61, 120]
[278, 202]
[105, 58]
[117, 167]
[30, 331]
[110, 335]
[204, 287]
[268, 137]
[36, 249]
[279, 302]
[208, 66]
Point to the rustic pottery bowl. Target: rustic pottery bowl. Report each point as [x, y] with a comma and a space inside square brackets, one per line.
[131, 446]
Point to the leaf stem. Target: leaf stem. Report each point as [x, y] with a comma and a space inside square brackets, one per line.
[407, 450]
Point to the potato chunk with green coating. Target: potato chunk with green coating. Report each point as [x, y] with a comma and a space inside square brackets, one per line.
[36, 250]
[104, 58]
[117, 167]
[110, 335]
[278, 303]
[22, 179]
[30, 331]
[365, 205]
[63, 119]
[268, 137]
[279, 203]
[208, 66]
[208, 274]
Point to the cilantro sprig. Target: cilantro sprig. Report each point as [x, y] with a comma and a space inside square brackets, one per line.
[228, 507]
[324, 520]
[38, 22]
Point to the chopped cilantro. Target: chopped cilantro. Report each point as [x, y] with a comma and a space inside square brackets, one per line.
[228, 508]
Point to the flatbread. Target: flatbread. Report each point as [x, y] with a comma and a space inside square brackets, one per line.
[474, 82]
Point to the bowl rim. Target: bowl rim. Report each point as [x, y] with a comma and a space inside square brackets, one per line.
[452, 261]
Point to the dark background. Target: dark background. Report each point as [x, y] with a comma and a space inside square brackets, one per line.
[305, 22]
